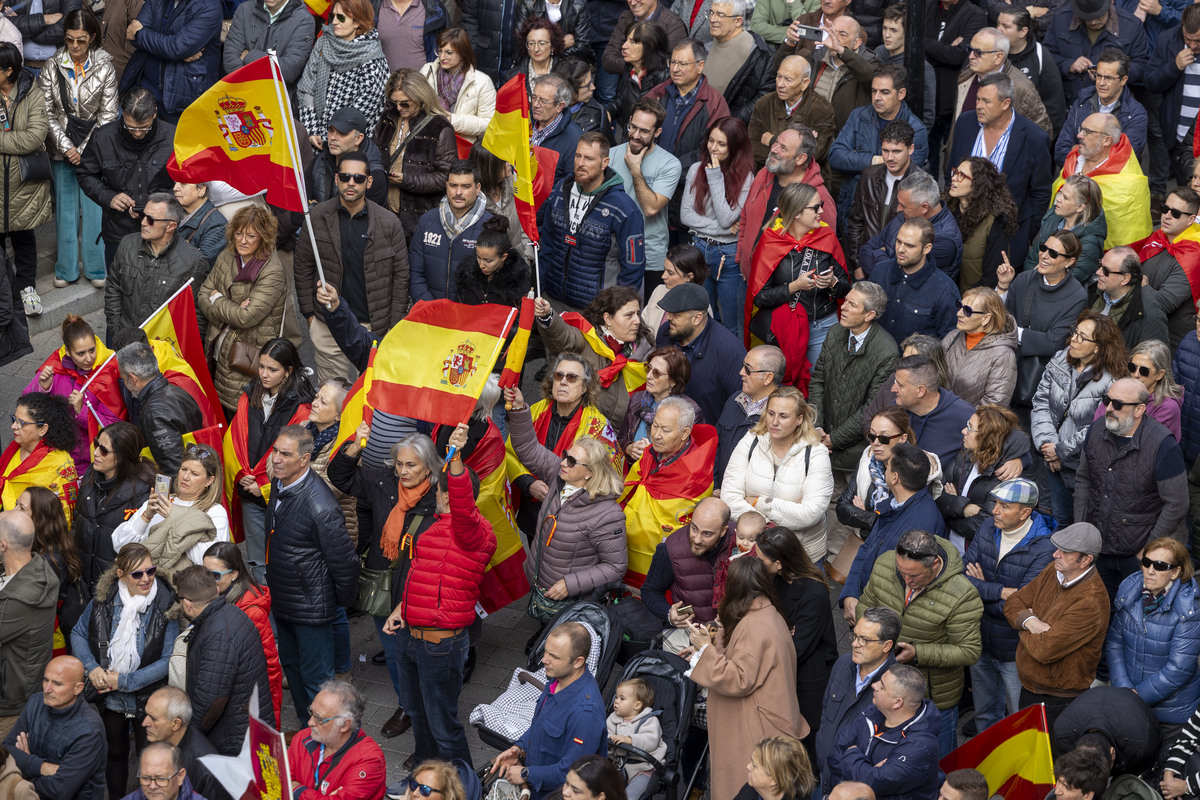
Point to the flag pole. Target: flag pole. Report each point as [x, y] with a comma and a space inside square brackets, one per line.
[537, 272]
[285, 106]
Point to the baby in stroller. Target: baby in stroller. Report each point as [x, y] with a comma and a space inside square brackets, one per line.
[635, 723]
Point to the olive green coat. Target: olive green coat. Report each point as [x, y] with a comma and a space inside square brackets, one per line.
[942, 622]
[26, 205]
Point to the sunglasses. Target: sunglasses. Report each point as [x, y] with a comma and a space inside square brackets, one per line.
[572, 462]
[816, 209]
[154, 221]
[1158, 566]
[148, 572]
[1134, 369]
[655, 372]
[340, 17]
[1174, 212]
[913, 555]
[197, 452]
[967, 311]
[1053, 253]
[348, 177]
[219, 573]
[883, 438]
[403, 105]
[421, 788]
[1117, 405]
[1109, 272]
[566, 377]
[102, 450]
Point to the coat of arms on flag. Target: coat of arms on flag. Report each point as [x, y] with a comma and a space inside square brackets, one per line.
[242, 128]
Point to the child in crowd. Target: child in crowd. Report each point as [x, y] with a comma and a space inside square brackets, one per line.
[635, 723]
[749, 526]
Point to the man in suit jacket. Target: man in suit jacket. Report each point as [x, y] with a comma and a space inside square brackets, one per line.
[1018, 148]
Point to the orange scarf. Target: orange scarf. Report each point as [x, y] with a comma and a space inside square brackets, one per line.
[394, 527]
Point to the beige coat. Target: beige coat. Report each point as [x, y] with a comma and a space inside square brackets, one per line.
[256, 323]
[752, 694]
[26, 204]
[476, 102]
[94, 98]
[12, 785]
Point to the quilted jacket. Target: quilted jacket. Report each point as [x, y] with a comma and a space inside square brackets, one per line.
[986, 374]
[1063, 408]
[27, 204]
[94, 98]
[97, 514]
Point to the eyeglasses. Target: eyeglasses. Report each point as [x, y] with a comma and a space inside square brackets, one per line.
[154, 780]
[572, 462]
[883, 438]
[856, 639]
[340, 17]
[541, 101]
[421, 788]
[78, 39]
[22, 423]
[1100, 76]
[532, 44]
[347, 177]
[1088, 131]
[971, 428]
[219, 573]
[1157, 566]
[1075, 334]
[967, 311]
[320, 720]
[137, 128]
[975, 51]
[958, 175]
[655, 372]
[913, 555]
[746, 368]
[635, 129]
[719, 15]
[1117, 405]
[1134, 369]
[681, 64]
[566, 377]
[197, 452]
[102, 450]
[1174, 212]
[1053, 253]
[138, 574]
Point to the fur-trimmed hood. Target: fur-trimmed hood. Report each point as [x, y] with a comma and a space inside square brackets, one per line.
[106, 584]
[507, 286]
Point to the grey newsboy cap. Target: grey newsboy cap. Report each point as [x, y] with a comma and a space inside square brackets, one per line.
[1082, 537]
[1018, 490]
[685, 297]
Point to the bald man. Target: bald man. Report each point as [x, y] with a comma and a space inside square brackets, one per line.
[28, 602]
[792, 103]
[852, 790]
[58, 742]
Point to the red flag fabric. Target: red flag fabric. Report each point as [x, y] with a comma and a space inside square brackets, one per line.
[464, 146]
[175, 324]
[514, 362]
[1185, 249]
[508, 138]
[1014, 756]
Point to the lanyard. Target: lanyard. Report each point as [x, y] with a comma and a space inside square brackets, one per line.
[317, 770]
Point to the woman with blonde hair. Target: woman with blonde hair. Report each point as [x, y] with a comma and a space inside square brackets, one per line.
[243, 297]
[578, 543]
[1078, 207]
[441, 777]
[981, 354]
[416, 137]
[781, 470]
[780, 769]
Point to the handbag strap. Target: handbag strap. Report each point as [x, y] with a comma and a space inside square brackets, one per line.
[412, 527]
[199, 225]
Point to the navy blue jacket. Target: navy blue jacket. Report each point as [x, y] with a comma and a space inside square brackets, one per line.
[433, 257]
[1067, 39]
[1130, 113]
[566, 726]
[563, 142]
[1165, 78]
[946, 252]
[1022, 564]
[732, 425]
[858, 142]
[924, 302]
[1027, 171]
[1186, 369]
[612, 232]
[1157, 654]
[940, 431]
[910, 751]
[172, 32]
[716, 357]
[842, 703]
[920, 512]
[73, 737]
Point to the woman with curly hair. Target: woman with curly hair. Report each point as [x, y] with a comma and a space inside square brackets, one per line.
[987, 217]
[52, 541]
[1066, 400]
[608, 335]
[39, 454]
[993, 436]
[495, 272]
[543, 44]
[645, 52]
[981, 353]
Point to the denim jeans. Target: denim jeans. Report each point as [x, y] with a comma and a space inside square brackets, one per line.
[993, 683]
[948, 738]
[1062, 499]
[306, 655]
[606, 82]
[341, 642]
[817, 331]
[430, 682]
[254, 523]
[722, 291]
[388, 642]
[77, 223]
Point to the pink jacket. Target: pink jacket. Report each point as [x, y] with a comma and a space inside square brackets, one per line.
[63, 385]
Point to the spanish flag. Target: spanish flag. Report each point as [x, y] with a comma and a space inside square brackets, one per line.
[1014, 755]
[175, 337]
[1125, 190]
[433, 364]
[631, 373]
[50, 469]
[507, 138]
[237, 465]
[102, 385]
[659, 501]
[355, 410]
[1185, 249]
[238, 132]
[514, 361]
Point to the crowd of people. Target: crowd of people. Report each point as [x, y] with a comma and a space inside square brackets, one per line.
[925, 330]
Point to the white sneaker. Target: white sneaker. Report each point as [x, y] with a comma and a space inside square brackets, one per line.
[33, 303]
[59, 283]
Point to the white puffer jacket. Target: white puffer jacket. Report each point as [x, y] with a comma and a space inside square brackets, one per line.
[476, 102]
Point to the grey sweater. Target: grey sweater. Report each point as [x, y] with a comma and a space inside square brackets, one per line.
[719, 215]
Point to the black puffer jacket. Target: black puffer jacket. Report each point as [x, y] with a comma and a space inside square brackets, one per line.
[33, 27]
[168, 412]
[311, 565]
[100, 508]
[507, 286]
[489, 23]
[425, 165]
[753, 79]
[115, 162]
[225, 661]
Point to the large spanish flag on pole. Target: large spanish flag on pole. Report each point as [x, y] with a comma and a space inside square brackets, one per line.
[182, 359]
[507, 138]
[238, 132]
[433, 364]
[1014, 755]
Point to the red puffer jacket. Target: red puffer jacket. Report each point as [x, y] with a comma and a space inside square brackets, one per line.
[256, 603]
[449, 560]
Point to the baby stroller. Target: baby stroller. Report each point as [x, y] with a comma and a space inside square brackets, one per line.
[501, 722]
[674, 697]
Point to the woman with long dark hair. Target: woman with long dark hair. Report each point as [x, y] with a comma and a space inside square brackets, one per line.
[495, 272]
[119, 479]
[980, 201]
[237, 584]
[714, 193]
[749, 666]
[593, 778]
[52, 540]
[645, 53]
[684, 264]
[278, 397]
[43, 429]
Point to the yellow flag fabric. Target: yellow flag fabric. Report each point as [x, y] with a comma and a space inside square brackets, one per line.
[1126, 193]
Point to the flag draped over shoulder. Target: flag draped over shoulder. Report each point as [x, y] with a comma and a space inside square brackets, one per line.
[507, 138]
[632, 373]
[658, 502]
[1185, 249]
[1014, 756]
[175, 338]
[237, 132]
[433, 364]
[1125, 189]
[103, 384]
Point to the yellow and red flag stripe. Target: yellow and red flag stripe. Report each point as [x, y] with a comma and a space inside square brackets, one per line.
[1125, 189]
[632, 373]
[237, 132]
[434, 363]
[508, 138]
[182, 361]
[237, 464]
[355, 409]
[514, 361]
[1014, 755]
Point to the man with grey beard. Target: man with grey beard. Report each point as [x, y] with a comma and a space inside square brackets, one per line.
[1131, 483]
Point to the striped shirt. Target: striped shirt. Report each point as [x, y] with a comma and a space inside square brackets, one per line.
[1189, 104]
[1001, 148]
